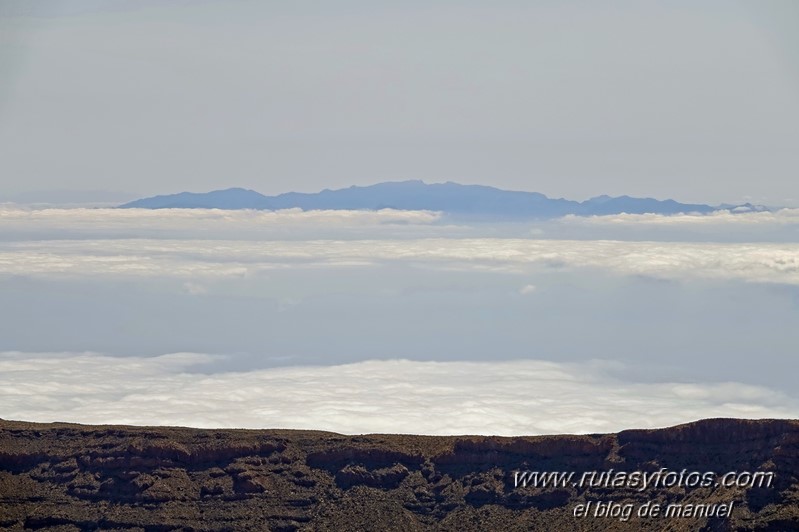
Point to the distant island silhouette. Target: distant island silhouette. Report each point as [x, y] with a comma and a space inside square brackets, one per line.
[451, 198]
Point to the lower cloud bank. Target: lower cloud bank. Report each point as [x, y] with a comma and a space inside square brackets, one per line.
[394, 396]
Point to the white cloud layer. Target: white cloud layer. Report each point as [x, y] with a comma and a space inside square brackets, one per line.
[760, 262]
[393, 396]
[342, 286]
[55, 217]
[160, 222]
[725, 218]
[192, 243]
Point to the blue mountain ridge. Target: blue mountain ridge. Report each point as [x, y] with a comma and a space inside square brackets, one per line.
[450, 198]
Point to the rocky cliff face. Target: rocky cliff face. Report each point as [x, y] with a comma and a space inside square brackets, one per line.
[73, 477]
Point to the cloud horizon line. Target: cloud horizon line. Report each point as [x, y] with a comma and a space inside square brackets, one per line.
[398, 396]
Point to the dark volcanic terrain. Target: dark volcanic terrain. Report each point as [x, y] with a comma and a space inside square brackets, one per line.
[74, 477]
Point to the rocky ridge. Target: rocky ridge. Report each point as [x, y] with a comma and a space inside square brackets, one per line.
[65, 477]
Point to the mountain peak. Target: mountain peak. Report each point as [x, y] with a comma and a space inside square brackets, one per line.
[229, 198]
[475, 201]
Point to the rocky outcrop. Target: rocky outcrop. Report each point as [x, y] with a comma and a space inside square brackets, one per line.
[64, 477]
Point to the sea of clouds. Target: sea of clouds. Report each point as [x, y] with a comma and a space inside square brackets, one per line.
[393, 396]
[395, 321]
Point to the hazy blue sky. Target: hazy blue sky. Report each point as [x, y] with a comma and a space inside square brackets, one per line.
[693, 100]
